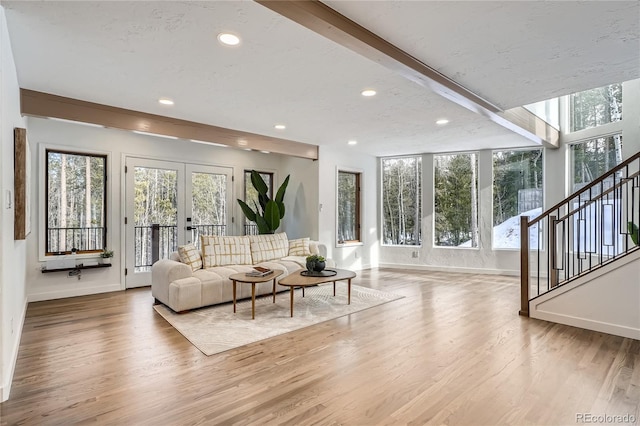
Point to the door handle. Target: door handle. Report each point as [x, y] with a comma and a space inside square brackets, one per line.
[189, 228]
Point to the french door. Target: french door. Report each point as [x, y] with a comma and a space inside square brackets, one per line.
[170, 204]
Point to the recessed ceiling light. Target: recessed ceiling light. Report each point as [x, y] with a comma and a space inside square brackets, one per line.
[266, 152]
[228, 39]
[280, 126]
[165, 101]
[352, 142]
[369, 92]
[442, 122]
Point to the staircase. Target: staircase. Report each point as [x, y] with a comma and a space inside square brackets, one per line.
[587, 236]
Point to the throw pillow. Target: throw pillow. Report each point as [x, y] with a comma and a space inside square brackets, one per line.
[231, 251]
[268, 247]
[208, 256]
[206, 243]
[299, 247]
[190, 255]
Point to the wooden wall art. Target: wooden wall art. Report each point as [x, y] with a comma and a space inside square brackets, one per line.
[22, 171]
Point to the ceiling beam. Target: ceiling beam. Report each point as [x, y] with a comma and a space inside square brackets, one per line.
[45, 105]
[320, 18]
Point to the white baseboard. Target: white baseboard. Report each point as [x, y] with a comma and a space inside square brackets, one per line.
[61, 294]
[509, 272]
[603, 327]
[353, 268]
[5, 388]
[364, 267]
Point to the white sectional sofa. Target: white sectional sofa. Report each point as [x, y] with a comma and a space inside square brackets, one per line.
[192, 278]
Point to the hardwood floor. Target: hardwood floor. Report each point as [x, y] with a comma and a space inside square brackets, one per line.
[453, 351]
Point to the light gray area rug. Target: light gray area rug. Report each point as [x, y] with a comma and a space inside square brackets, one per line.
[217, 329]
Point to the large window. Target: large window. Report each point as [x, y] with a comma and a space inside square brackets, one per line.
[348, 225]
[517, 190]
[592, 158]
[251, 198]
[456, 200]
[401, 201]
[595, 107]
[596, 224]
[76, 202]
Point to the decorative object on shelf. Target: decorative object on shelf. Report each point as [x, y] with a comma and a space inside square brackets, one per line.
[323, 273]
[105, 256]
[315, 263]
[259, 271]
[634, 233]
[268, 214]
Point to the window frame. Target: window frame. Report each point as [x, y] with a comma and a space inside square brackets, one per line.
[566, 109]
[43, 193]
[359, 179]
[420, 200]
[571, 160]
[246, 175]
[433, 221]
[542, 149]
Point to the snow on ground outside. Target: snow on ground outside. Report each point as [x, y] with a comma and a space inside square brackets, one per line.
[507, 234]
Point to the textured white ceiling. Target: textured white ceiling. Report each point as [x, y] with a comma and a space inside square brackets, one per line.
[129, 54]
[512, 53]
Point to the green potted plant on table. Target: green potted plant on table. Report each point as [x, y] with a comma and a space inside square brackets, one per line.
[105, 256]
[315, 263]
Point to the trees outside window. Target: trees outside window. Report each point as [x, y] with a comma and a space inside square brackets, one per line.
[456, 200]
[348, 225]
[595, 107]
[517, 190]
[76, 202]
[592, 158]
[208, 205]
[155, 202]
[251, 197]
[402, 201]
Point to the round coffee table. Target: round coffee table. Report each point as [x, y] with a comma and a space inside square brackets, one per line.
[243, 278]
[296, 279]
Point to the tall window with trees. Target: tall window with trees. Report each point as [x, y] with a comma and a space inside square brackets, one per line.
[402, 200]
[592, 158]
[251, 197]
[456, 200]
[209, 204]
[156, 202]
[76, 211]
[517, 190]
[348, 225]
[595, 107]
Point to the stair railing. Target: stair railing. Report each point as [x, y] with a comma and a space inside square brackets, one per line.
[592, 227]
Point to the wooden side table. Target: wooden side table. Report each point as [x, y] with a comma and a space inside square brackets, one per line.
[243, 278]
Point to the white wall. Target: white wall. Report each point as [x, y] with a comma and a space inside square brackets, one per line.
[118, 144]
[607, 300]
[301, 198]
[13, 297]
[360, 256]
[631, 119]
